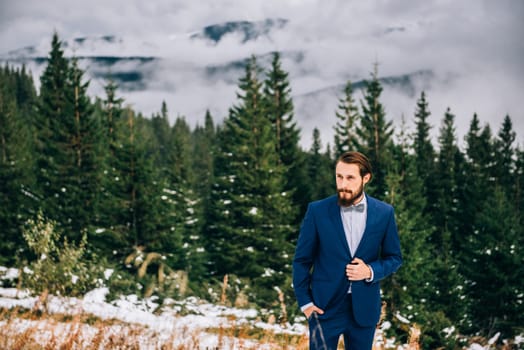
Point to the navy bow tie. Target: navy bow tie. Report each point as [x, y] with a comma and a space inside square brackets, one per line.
[360, 207]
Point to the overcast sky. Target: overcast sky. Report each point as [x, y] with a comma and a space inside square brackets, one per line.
[475, 48]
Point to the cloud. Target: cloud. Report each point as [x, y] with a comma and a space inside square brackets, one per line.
[472, 47]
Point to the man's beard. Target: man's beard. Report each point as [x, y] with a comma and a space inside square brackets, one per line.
[346, 202]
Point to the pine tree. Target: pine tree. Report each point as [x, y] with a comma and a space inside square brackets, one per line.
[479, 173]
[16, 204]
[279, 105]
[202, 163]
[519, 184]
[277, 93]
[250, 218]
[447, 170]
[130, 198]
[84, 136]
[185, 202]
[204, 148]
[52, 107]
[504, 157]
[479, 151]
[162, 138]
[111, 237]
[320, 171]
[448, 288]
[112, 116]
[347, 117]
[141, 216]
[151, 211]
[425, 153]
[494, 269]
[482, 231]
[409, 292]
[375, 134]
[68, 136]
[139, 194]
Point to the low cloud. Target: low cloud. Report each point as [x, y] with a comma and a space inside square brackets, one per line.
[473, 49]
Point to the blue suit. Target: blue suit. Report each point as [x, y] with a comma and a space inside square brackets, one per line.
[322, 253]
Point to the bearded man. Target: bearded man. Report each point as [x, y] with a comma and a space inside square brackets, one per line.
[347, 244]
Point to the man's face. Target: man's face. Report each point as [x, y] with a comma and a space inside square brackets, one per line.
[350, 185]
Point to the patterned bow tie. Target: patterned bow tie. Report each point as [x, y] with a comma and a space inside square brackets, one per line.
[360, 207]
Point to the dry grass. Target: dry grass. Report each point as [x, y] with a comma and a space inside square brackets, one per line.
[29, 329]
[36, 328]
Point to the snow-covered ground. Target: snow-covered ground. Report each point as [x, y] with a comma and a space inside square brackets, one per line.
[180, 322]
[184, 324]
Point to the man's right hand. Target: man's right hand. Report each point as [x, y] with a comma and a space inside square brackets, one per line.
[309, 311]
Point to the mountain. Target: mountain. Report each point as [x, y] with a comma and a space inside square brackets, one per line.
[247, 30]
[122, 59]
[199, 71]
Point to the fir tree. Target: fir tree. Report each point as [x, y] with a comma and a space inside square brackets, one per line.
[111, 237]
[67, 145]
[478, 170]
[374, 134]
[320, 170]
[141, 199]
[494, 270]
[409, 292]
[52, 107]
[112, 116]
[504, 157]
[519, 184]
[250, 211]
[447, 170]
[83, 154]
[277, 94]
[425, 153]
[186, 219]
[16, 204]
[347, 117]
[131, 199]
[479, 151]
[162, 138]
[448, 288]
[204, 148]
[202, 163]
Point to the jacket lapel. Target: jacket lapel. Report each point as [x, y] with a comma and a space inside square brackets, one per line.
[371, 218]
[336, 218]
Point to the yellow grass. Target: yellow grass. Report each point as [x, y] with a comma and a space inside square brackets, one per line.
[27, 330]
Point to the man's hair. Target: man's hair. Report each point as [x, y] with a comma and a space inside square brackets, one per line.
[353, 157]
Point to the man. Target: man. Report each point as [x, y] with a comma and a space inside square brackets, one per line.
[347, 244]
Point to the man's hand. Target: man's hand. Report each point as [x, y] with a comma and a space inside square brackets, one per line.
[357, 270]
[309, 311]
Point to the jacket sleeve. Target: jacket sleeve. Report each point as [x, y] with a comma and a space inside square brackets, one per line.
[303, 260]
[391, 257]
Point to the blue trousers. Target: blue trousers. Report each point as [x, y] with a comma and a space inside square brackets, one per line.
[325, 333]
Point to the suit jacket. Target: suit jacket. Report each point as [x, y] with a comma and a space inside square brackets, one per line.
[322, 253]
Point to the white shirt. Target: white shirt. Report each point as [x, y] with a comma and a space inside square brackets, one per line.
[354, 225]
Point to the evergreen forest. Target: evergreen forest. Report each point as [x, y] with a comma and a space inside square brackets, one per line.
[87, 185]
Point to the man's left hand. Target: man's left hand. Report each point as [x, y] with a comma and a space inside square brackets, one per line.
[357, 270]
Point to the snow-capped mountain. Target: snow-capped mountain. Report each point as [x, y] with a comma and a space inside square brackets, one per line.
[248, 30]
[197, 71]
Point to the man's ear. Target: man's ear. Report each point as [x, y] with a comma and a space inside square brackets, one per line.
[366, 178]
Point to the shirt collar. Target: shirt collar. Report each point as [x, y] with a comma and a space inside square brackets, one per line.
[363, 202]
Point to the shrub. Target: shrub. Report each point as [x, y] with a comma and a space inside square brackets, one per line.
[60, 268]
